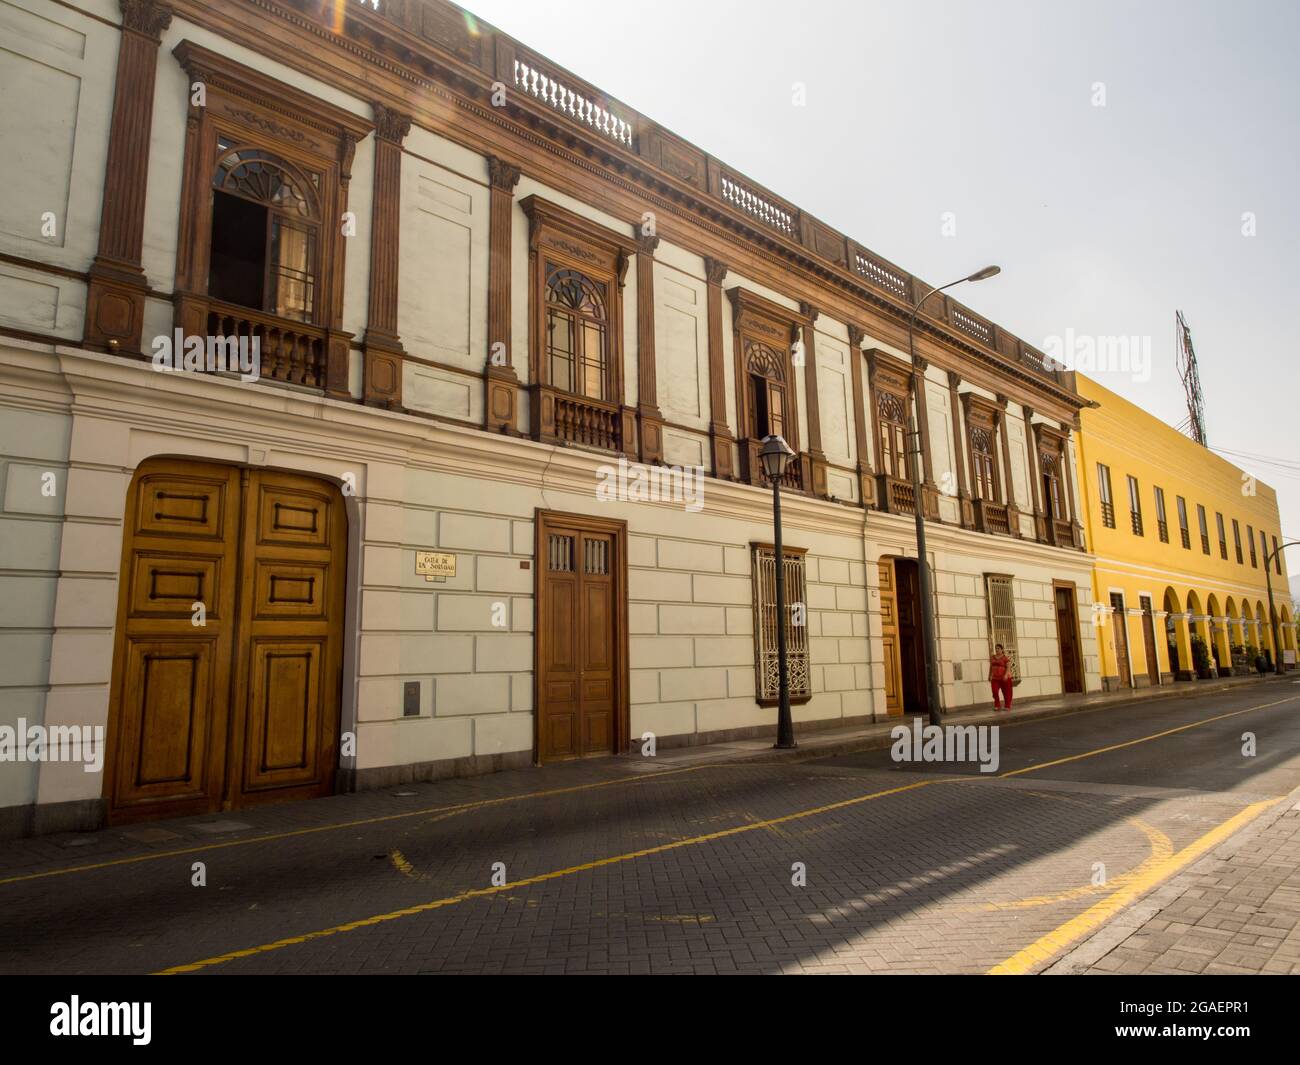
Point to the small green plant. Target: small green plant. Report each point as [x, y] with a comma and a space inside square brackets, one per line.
[1200, 655]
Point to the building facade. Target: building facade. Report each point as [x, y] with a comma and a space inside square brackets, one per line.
[1180, 537]
[490, 496]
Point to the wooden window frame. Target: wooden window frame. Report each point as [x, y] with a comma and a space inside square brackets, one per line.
[1236, 541]
[1162, 514]
[1135, 505]
[1106, 494]
[985, 415]
[759, 323]
[253, 110]
[1223, 535]
[1203, 525]
[560, 238]
[1250, 536]
[1184, 523]
[793, 595]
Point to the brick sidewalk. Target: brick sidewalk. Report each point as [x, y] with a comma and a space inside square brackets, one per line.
[1236, 911]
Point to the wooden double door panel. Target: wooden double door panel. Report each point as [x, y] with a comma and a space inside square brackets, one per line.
[900, 626]
[1067, 633]
[1120, 617]
[581, 660]
[1149, 641]
[229, 647]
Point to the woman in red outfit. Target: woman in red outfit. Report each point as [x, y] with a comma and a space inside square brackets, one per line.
[1000, 678]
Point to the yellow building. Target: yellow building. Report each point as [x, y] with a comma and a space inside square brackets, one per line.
[1179, 536]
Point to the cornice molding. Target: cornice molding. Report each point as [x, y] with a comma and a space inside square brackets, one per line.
[617, 166]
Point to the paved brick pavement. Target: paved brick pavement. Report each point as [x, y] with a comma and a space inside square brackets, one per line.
[1237, 911]
[623, 866]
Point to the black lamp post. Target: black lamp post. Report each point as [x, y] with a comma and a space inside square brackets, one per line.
[775, 455]
[1269, 557]
[923, 565]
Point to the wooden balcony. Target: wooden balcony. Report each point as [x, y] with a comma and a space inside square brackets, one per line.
[1059, 532]
[894, 495]
[290, 351]
[563, 417]
[991, 517]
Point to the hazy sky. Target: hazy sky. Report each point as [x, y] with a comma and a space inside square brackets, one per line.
[1105, 219]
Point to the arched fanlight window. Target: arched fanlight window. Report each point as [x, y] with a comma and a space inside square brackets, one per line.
[577, 333]
[265, 234]
[767, 399]
[892, 416]
[981, 446]
[1052, 499]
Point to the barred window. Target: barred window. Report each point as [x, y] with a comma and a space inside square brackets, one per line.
[1162, 521]
[1223, 536]
[1250, 539]
[766, 663]
[1001, 601]
[1182, 523]
[1236, 540]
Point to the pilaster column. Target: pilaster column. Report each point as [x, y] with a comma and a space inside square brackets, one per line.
[812, 401]
[1035, 488]
[500, 407]
[650, 421]
[116, 293]
[866, 475]
[382, 349]
[1008, 483]
[929, 493]
[959, 451]
[721, 439]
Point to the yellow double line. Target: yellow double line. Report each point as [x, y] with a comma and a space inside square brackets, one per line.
[1020, 962]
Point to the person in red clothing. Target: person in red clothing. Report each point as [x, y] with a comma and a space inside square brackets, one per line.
[1000, 678]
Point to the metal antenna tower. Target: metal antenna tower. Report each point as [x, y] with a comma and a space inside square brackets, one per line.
[1194, 426]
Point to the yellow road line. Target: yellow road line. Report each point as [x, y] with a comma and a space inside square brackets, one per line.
[690, 841]
[442, 811]
[1145, 739]
[599, 863]
[1045, 948]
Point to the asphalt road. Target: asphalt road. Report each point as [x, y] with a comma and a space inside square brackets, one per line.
[854, 863]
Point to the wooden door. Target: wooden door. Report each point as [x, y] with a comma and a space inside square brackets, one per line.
[290, 652]
[907, 598]
[1067, 635]
[229, 640]
[889, 638]
[581, 661]
[1120, 619]
[1149, 640]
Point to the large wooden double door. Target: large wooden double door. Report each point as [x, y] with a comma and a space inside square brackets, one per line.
[581, 655]
[227, 667]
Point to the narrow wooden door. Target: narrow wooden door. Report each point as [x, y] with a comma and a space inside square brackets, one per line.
[1149, 640]
[889, 638]
[1120, 620]
[226, 674]
[170, 707]
[1067, 634]
[291, 623]
[910, 643]
[580, 661]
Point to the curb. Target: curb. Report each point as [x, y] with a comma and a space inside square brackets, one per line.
[1131, 919]
[852, 745]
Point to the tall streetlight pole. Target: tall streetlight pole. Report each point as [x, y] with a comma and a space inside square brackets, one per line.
[1269, 557]
[923, 565]
[775, 455]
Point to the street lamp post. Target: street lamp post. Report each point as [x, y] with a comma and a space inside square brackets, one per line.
[923, 566]
[775, 455]
[1269, 557]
